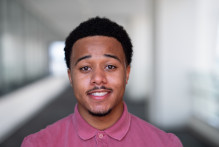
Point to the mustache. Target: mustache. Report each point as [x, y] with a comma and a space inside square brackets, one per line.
[98, 88]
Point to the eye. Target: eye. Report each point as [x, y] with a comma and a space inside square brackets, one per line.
[110, 67]
[85, 69]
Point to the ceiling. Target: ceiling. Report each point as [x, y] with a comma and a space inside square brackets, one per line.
[64, 15]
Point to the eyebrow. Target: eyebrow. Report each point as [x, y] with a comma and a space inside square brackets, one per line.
[112, 56]
[89, 56]
[82, 58]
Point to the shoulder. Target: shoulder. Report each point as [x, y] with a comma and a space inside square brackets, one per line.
[153, 134]
[49, 134]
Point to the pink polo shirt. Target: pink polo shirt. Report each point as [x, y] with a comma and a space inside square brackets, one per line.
[128, 131]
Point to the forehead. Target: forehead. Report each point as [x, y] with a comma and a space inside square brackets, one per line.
[97, 45]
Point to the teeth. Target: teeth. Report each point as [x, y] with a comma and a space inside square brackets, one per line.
[99, 93]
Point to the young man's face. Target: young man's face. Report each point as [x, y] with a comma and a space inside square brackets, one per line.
[98, 74]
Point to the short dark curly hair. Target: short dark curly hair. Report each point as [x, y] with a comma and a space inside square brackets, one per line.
[99, 26]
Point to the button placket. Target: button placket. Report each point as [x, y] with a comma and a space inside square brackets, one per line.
[101, 139]
[100, 135]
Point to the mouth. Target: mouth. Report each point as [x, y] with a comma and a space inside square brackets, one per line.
[99, 94]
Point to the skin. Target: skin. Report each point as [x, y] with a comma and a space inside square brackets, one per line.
[97, 62]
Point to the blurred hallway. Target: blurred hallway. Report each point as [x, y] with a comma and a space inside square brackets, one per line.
[63, 105]
[174, 79]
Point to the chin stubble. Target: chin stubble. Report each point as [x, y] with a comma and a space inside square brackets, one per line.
[100, 114]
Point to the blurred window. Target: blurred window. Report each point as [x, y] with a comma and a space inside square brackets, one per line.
[205, 91]
[57, 62]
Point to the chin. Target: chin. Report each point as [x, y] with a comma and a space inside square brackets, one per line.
[100, 114]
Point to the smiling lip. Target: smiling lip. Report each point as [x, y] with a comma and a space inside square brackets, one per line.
[99, 94]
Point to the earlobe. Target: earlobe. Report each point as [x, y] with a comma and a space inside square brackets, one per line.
[69, 76]
[127, 73]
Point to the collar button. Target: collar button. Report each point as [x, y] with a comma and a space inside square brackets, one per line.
[100, 135]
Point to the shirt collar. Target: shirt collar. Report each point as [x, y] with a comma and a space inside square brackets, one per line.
[117, 131]
[84, 130]
[121, 127]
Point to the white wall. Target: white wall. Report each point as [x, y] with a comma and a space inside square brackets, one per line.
[207, 23]
[185, 42]
[139, 83]
[174, 52]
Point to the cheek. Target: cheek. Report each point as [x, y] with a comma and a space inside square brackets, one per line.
[117, 79]
[80, 83]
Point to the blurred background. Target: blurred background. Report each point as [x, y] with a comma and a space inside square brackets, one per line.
[174, 81]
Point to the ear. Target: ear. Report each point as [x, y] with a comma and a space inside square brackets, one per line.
[69, 76]
[128, 68]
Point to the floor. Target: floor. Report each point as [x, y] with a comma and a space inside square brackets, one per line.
[64, 105]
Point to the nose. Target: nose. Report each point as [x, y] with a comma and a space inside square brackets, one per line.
[98, 77]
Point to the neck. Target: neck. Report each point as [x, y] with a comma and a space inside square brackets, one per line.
[104, 122]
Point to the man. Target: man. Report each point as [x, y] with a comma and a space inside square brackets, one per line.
[98, 55]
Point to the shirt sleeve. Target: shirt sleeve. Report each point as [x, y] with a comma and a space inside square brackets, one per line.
[174, 141]
[27, 142]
